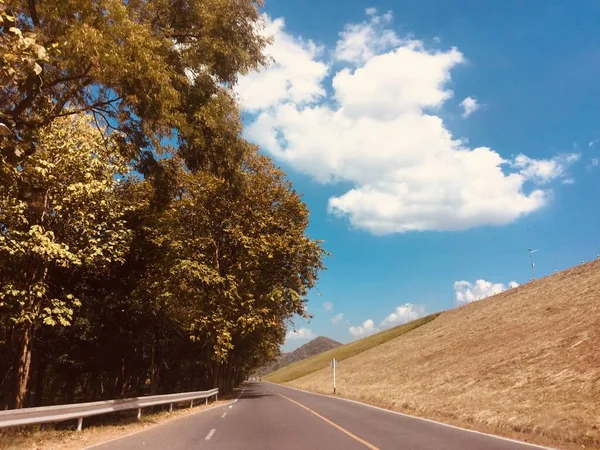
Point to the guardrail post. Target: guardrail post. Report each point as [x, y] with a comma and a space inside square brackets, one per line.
[192, 404]
[207, 400]
[216, 396]
[139, 415]
[170, 407]
[79, 424]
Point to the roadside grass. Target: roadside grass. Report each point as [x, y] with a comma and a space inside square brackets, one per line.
[322, 360]
[524, 363]
[96, 430]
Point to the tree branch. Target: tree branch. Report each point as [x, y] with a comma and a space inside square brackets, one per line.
[72, 78]
[88, 108]
[27, 101]
[33, 12]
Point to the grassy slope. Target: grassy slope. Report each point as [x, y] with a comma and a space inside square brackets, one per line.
[317, 362]
[522, 363]
[318, 345]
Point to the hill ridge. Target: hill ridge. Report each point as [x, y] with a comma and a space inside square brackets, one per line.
[314, 347]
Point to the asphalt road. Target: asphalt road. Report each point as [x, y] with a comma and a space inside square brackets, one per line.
[268, 416]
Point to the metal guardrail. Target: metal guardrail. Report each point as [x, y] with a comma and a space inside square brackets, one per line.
[59, 413]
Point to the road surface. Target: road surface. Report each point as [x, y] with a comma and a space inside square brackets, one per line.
[268, 416]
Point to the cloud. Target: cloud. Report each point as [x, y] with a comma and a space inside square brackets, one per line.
[466, 292]
[328, 306]
[293, 76]
[593, 143]
[360, 42]
[375, 129]
[300, 334]
[403, 314]
[469, 106]
[543, 171]
[337, 318]
[365, 329]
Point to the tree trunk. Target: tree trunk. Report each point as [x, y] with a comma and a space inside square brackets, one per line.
[39, 382]
[24, 364]
[215, 367]
[154, 365]
[69, 387]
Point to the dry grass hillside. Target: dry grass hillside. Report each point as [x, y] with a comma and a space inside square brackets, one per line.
[523, 363]
[316, 346]
[321, 360]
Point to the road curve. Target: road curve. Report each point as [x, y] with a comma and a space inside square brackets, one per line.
[268, 416]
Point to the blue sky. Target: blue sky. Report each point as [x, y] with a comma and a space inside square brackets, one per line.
[364, 107]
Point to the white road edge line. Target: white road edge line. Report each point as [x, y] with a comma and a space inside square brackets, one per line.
[153, 426]
[414, 417]
[230, 406]
[209, 435]
[223, 416]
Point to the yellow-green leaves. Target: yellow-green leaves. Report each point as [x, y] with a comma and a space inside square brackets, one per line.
[204, 256]
[145, 67]
[60, 211]
[235, 261]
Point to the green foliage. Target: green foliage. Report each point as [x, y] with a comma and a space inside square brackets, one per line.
[180, 269]
[144, 67]
[114, 284]
[60, 210]
[322, 360]
[234, 261]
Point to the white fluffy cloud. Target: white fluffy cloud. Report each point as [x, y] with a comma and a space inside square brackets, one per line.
[365, 329]
[337, 318]
[328, 306]
[300, 334]
[376, 129]
[294, 74]
[543, 171]
[466, 292]
[360, 42]
[403, 314]
[469, 106]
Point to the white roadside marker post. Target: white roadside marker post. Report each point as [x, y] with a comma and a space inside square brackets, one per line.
[333, 364]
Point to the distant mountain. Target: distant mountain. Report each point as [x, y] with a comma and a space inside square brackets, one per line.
[314, 347]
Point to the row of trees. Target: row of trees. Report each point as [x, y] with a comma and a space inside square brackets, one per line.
[145, 246]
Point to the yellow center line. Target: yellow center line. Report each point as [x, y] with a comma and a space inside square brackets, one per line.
[343, 430]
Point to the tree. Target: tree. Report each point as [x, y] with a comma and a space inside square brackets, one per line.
[236, 263]
[184, 277]
[61, 209]
[151, 69]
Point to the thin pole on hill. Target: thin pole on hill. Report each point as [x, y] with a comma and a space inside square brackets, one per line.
[333, 364]
[531, 251]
